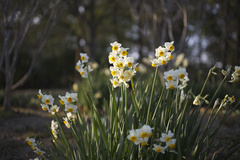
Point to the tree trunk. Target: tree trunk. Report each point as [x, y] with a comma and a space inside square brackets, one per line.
[9, 82]
[8, 93]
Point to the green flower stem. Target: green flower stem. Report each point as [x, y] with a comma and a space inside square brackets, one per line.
[132, 85]
[65, 140]
[122, 101]
[209, 73]
[125, 115]
[210, 103]
[151, 96]
[210, 116]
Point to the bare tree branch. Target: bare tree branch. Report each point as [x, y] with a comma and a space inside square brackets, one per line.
[52, 20]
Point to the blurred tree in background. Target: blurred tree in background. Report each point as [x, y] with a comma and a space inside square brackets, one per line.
[206, 31]
[18, 18]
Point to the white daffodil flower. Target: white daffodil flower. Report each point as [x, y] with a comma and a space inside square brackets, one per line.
[40, 95]
[123, 52]
[45, 107]
[231, 99]
[71, 116]
[115, 82]
[128, 61]
[47, 99]
[169, 45]
[166, 137]
[83, 72]
[84, 57]
[133, 136]
[54, 109]
[160, 51]
[39, 152]
[171, 84]
[145, 131]
[31, 141]
[158, 148]
[171, 143]
[66, 122]
[71, 108]
[115, 46]
[71, 97]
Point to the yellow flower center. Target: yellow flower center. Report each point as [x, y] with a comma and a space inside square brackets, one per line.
[171, 87]
[65, 122]
[69, 99]
[124, 53]
[47, 101]
[38, 153]
[115, 48]
[61, 101]
[114, 83]
[120, 64]
[168, 139]
[181, 76]
[136, 69]
[133, 138]
[143, 143]
[54, 110]
[77, 67]
[163, 62]
[149, 135]
[158, 150]
[171, 48]
[39, 96]
[238, 71]
[129, 64]
[113, 73]
[153, 65]
[170, 78]
[81, 73]
[112, 59]
[143, 134]
[82, 58]
[161, 53]
[232, 98]
[172, 146]
[33, 148]
[70, 109]
[29, 143]
[44, 108]
[121, 77]
[171, 57]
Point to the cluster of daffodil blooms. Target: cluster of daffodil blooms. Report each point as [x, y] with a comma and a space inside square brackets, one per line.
[48, 101]
[123, 68]
[68, 101]
[235, 77]
[163, 54]
[176, 78]
[170, 143]
[82, 67]
[141, 136]
[35, 145]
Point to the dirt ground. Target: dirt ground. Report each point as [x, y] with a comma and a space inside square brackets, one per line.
[22, 123]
